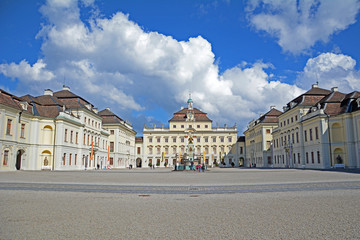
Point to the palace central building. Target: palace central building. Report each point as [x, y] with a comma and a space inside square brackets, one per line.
[165, 146]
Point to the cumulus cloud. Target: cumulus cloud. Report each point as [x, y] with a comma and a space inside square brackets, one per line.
[298, 25]
[331, 70]
[27, 73]
[114, 62]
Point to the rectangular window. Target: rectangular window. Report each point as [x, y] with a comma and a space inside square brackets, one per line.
[6, 157]
[150, 150]
[206, 126]
[88, 140]
[166, 150]
[206, 150]
[316, 133]
[297, 137]
[8, 127]
[138, 150]
[222, 139]
[64, 159]
[75, 160]
[166, 139]
[206, 139]
[111, 146]
[298, 158]
[70, 159]
[288, 121]
[292, 119]
[174, 126]
[65, 138]
[174, 150]
[241, 150]
[305, 136]
[198, 126]
[182, 126]
[111, 161]
[158, 150]
[296, 118]
[174, 139]
[112, 132]
[310, 134]
[307, 158]
[198, 139]
[76, 137]
[182, 139]
[312, 158]
[150, 139]
[214, 139]
[71, 136]
[190, 126]
[158, 139]
[318, 156]
[294, 158]
[22, 133]
[292, 138]
[267, 131]
[214, 150]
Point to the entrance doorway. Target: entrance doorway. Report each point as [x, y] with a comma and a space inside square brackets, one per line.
[18, 159]
[138, 162]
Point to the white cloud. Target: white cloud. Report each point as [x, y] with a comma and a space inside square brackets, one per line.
[298, 25]
[27, 73]
[331, 70]
[115, 63]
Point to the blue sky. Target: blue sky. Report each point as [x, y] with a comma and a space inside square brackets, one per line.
[142, 58]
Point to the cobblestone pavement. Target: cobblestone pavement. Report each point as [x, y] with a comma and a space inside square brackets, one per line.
[160, 204]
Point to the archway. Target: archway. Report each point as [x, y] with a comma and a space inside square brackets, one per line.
[46, 159]
[241, 162]
[18, 159]
[339, 156]
[138, 162]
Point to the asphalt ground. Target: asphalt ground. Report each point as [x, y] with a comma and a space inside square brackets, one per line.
[162, 204]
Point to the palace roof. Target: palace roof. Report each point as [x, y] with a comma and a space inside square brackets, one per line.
[199, 116]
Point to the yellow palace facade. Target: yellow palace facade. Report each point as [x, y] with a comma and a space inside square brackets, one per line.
[168, 146]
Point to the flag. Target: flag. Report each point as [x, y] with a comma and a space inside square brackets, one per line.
[92, 151]
[109, 153]
[162, 156]
[179, 156]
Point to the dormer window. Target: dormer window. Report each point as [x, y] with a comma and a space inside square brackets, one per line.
[358, 102]
[24, 105]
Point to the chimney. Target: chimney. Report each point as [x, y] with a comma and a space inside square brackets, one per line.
[334, 89]
[272, 107]
[66, 88]
[95, 110]
[107, 108]
[316, 85]
[48, 92]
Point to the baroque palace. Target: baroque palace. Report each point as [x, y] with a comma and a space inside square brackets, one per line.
[319, 129]
[61, 131]
[189, 139]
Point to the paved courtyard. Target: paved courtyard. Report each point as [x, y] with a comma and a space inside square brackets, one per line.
[161, 204]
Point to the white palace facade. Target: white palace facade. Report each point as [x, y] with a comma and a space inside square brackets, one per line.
[167, 146]
[61, 131]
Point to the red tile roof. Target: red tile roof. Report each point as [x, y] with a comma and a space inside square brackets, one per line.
[180, 116]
